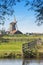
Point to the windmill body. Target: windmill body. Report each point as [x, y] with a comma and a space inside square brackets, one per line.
[13, 27]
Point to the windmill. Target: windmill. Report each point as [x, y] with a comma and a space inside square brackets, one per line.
[13, 26]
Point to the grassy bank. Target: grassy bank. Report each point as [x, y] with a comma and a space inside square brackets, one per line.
[11, 46]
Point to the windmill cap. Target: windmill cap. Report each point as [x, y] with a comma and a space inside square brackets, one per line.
[13, 22]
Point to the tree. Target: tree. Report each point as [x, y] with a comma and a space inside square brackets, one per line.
[37, 6]
[6, 8]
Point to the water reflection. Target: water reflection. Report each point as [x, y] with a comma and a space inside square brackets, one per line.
[10, 62]
[20, 62]
[32, 62]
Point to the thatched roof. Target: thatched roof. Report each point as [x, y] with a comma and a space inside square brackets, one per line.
[18, 32]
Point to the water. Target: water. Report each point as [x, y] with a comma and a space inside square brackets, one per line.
[20, 62]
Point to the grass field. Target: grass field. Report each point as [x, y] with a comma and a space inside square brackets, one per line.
[14, 43]
[11, 47]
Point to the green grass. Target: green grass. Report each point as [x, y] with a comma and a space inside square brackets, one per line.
[13, 46]
[16, 45]
[10, 47]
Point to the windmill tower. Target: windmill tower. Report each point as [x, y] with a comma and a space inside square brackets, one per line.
[13, 26]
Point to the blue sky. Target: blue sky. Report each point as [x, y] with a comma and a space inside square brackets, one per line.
[25, 19]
